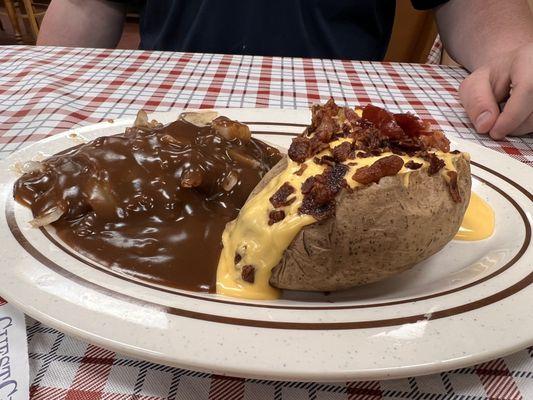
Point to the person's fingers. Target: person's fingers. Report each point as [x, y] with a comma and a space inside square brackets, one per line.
[525, 128]
[479, 100]
[520, 103]
[517, 109]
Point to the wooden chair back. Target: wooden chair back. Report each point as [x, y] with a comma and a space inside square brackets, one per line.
[30, 13]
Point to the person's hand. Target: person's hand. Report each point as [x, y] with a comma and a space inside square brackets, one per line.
[509, 76]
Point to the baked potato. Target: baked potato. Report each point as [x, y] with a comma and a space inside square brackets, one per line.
[363, 194]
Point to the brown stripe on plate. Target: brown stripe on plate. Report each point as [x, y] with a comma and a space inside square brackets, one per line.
[528, 280]
[273, 123]
[275, 133]
[522, 189]
[14, 228]
[125, 277]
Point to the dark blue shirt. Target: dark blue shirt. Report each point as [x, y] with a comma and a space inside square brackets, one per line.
[347, 29]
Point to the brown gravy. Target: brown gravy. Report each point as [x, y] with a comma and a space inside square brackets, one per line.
[151, 203]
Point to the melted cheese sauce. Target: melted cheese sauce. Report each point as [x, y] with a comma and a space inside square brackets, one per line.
[478, 222]
[263, 245]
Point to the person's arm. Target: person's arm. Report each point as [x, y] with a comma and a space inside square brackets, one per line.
[82, 23]
[494, 40]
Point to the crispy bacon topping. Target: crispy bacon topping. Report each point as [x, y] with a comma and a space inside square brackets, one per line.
[350, 115]
[303, 148]
[364, 154]
[320, 191]
[328, 126]
[386, 166]
[275, 216]
[412, 125]
[248, 273]
[435, 163]
[342, 152]
[413, 165]
[324, 160]
[303, 167]
[300, 149]
[308, 184]
[280, 198]
[375, 132]
[384, 121]
[436, 140]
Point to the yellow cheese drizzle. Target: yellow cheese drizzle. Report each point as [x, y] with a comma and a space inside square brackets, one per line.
[263, 245]
[478, 222]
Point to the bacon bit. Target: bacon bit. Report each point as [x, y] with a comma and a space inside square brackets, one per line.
[397, 151]
[238, 258]
[300, 172]
[387, 166]
[452, 185]
[383, 120]
[342, 152]
[279, 199]
[412, 125]
[351, 164]
[413, 165]
[455, 152]
[319, 112]
[408, 145]
[415, 127]
[320, 192]
[334, 176]
[441, 142]
[328, 126]
[350, 115]
[346, 128]
[248, 273]
[300, 149]
[328, 160]
[308, 184]
[349, 122]
[435, 163]
[370, 137]
[303, 148]
[364, 154]
[324, 160]
[323, 122]
[317, 146]
[436, 140]
[275, 216]
[331, 106]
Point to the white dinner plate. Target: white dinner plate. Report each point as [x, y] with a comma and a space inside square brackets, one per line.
[471, 302]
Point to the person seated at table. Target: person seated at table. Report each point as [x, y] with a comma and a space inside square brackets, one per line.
[492, 38]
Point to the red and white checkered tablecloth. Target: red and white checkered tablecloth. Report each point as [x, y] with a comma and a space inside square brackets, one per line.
[46, 90]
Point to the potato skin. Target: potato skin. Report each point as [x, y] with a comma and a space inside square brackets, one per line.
[378, 230]
[273, 172]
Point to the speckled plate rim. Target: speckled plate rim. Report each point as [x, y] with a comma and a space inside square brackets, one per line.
[262, 370]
